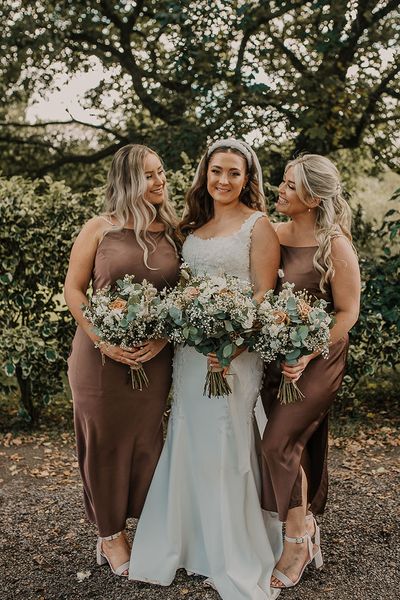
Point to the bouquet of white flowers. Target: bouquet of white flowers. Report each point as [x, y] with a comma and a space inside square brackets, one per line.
[126, 315]
[212, 314]
[289, 325]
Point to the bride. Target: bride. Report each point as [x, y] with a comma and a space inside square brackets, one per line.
[202, 510]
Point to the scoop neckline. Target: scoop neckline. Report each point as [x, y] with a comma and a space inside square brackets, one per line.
[225, 237]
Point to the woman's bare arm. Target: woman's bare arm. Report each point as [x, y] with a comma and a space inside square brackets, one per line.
[77, 282]
[265, 257]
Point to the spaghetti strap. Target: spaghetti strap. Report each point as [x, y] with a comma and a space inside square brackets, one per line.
[277, 225]
[107, 220]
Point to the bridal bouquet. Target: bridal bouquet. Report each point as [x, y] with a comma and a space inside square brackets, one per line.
[290, 325]
[212, 313]
[126, 315]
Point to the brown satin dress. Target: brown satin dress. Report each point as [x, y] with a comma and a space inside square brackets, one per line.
[297, 434]
[118, 429]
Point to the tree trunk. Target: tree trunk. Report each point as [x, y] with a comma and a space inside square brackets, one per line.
[25, 386]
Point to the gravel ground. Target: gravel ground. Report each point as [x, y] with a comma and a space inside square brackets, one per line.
[46, 545]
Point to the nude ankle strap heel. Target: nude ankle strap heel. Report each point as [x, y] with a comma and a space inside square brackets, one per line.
[102, 559]
[316, 557]
[317, 532]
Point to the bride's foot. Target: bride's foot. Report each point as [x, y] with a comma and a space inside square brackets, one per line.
[115, 550]
[297, 553]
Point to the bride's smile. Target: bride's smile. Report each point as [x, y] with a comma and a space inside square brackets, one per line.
[226, 177]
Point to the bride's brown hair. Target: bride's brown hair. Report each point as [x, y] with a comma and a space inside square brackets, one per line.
[199, 205]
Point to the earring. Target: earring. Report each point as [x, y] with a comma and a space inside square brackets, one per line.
[309, 210]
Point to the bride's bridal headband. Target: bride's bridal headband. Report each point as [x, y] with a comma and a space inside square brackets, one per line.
[232, 143]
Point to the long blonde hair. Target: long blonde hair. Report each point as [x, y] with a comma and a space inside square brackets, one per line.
[316, 177]
[125, 198]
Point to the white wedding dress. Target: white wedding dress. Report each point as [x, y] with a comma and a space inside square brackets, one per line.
[202, 510]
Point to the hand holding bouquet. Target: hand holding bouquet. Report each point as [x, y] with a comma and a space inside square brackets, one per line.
[290, 325]
[212, 314]
[126, 315]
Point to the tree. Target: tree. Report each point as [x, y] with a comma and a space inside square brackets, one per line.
[317, 75]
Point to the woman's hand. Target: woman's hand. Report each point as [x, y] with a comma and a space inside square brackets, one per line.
[118, 354]
[294, 372]
[213, 362]
[148, 350]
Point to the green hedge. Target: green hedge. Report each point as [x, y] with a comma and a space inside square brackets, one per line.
[375, 339]
[40, 221]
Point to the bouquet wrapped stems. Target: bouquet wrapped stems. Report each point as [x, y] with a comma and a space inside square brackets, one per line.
[289, 392]
[125, 315]
[139, 378]
[291, 324]
[212, 314]
[216, 383]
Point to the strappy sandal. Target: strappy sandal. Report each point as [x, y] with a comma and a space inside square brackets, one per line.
[317, 532]
[312, 556]
[102, 559]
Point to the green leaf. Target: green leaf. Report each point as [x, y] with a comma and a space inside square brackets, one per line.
[228, 326]
[9, 369]
[290, 356]
[6, 278]
[303, 331]
[228, 350]
[50, 354]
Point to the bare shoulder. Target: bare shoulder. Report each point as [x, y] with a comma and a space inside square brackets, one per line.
[342, 249]
[264, 231]
[94, 228]
[262, 221]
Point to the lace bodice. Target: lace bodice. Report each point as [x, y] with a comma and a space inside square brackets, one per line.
[229, 254]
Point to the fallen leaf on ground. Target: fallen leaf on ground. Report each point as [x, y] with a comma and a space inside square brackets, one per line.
[82, 575]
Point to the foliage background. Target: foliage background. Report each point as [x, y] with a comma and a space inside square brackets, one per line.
[288, 76]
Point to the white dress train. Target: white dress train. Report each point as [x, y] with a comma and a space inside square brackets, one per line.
[202, 511]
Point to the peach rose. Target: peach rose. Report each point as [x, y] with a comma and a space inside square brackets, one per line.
[226, 292]
[281, 317]
[117, 304]
[304, 308]
[191, 293]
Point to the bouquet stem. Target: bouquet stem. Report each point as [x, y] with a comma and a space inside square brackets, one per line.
[289, 392]
[139, 378]
[216, 384]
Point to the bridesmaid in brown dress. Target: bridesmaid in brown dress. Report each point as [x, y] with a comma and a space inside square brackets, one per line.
[118, 429]
[318, 256]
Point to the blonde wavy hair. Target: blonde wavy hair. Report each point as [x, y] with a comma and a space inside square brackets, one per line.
[125, 198]
[317, 178]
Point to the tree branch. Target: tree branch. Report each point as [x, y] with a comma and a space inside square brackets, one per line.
[385, 10]
[128, 63]
[28, 142]
[393, 93]
[73, 121]
[259, 16]
[296, 62]
[374, 98]
[79, 159]
[365, 19]
[110, 14]
[84, 37]
[133, 17]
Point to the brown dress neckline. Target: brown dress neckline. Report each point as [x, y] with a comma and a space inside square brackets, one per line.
[298, 247]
